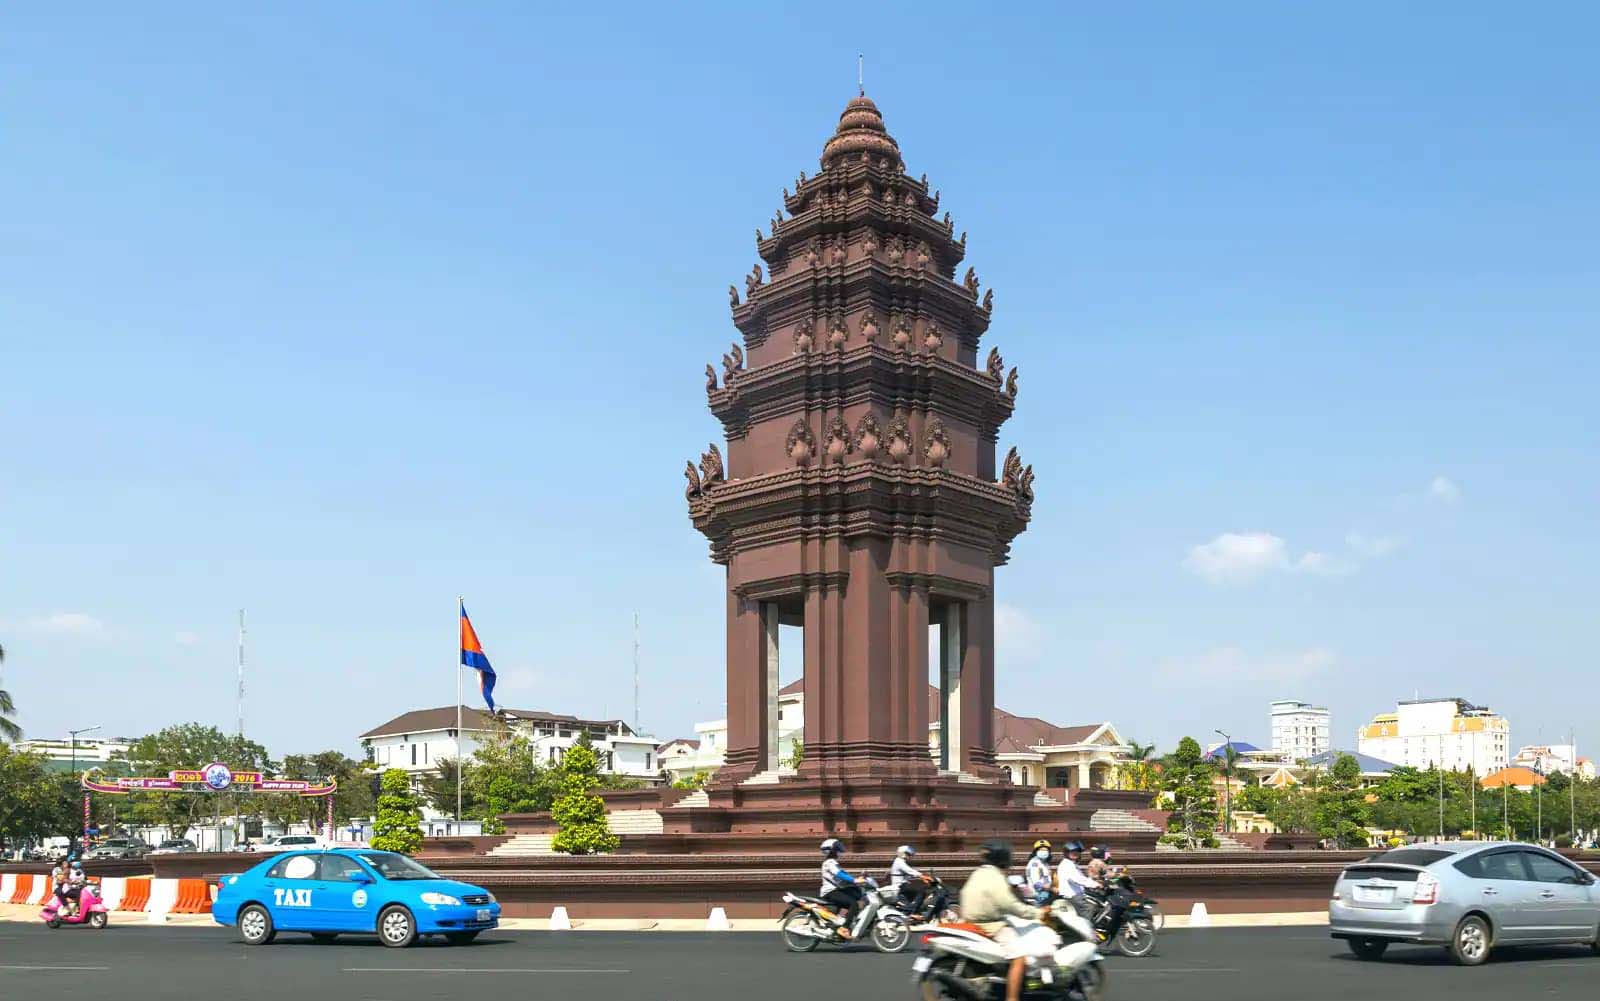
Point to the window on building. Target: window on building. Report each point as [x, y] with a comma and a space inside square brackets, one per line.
[413, 754]
[647, 761]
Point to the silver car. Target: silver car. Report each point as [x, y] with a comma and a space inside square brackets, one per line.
[1468, 896]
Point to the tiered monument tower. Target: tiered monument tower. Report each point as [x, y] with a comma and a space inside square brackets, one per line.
[861, 500]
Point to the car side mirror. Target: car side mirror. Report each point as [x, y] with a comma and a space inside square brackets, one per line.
[360, 876]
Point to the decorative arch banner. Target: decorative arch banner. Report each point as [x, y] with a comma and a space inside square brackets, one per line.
[215, 777]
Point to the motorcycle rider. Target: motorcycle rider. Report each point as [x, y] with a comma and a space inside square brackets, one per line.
[1037, 873]
[69, 881]
[1072, 881]
[1099, 866]
[839, 889]
[907, 880]
[987, 899]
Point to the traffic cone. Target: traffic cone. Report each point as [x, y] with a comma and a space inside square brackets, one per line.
[718, 921]
[1199, 917]
[559, 920]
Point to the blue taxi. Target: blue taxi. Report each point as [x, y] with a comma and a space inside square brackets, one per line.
[352, 891]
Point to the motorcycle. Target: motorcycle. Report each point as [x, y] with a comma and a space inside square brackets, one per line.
[1125, 919]
[91, 910]
[960, 963]
[936, 904]
[809, 921]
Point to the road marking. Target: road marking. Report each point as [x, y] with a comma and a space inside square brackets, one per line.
[444, 969]
[71, 968]
[1173, 971]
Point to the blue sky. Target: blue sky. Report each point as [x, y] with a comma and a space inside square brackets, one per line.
[335, 314]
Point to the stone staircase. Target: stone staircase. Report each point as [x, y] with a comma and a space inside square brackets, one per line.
[694, 799]
[522, 845]
[635, 822]
[1042, 798]
[1109, 819]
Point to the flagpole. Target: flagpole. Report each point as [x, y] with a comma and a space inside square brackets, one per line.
[460, 743]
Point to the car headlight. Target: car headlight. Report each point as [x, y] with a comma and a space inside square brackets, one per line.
[441, 900]
[492, 900]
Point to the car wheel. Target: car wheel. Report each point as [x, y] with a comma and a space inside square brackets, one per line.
[255, 925]
[396, 928]
[1471, 942]
[460, 937]
[1367, 948]
[323, 937]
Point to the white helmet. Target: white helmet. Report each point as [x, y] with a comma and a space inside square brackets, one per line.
[905, 850]
[832, 846]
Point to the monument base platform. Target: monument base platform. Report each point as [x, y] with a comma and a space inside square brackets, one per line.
[773, 814]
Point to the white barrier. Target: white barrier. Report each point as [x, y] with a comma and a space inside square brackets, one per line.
[8, 886]
[559, 920]
[718, 921]
[1199, 917]
[163, 898]
[42, 888]
[112, 890]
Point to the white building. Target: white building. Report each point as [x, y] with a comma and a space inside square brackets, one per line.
[1032, 751]
[1449, 733]
[417, 741]
[1299, 730]
[1547, 759]
[88, 752]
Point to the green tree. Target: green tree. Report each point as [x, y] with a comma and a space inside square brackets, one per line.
[396, 828]
[353, 798]
[9, 730]
[579, 814]
[1341, 809]
[35, 802]
[798, 757]
[1293, 810]
[1187, 779]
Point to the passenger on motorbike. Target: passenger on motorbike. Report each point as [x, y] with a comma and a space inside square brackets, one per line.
[1072, 881]
[907, 880]
[1037, 875]
[986, 901]
[1099, 866]
[839, 889]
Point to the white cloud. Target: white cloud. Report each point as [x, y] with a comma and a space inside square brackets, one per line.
[1444, 490]
[1238, 556]
[1372, 547]
[1017, 637]
[1323, 565]
[66, 624]
[185, 638]
[1230, 664]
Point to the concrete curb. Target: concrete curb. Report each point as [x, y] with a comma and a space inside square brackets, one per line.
[27, 913]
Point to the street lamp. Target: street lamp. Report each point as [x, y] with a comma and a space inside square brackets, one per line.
[1227, 783]
[74, 733]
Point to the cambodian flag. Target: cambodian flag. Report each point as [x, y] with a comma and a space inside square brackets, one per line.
[472, 655]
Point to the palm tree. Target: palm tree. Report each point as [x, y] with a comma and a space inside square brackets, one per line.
[1140, 752]
[8, 729]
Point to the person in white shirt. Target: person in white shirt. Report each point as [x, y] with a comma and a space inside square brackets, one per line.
[839, 888]
[907, 880]
[1072, 881]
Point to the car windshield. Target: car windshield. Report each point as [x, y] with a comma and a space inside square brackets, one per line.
[1412, 856]
[393, 866]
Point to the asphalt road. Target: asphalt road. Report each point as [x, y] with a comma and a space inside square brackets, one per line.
[142, 963]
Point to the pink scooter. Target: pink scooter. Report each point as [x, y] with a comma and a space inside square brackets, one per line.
[91, 910]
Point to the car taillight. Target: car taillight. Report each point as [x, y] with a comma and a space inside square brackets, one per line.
[1337, 895]
[1427, 891]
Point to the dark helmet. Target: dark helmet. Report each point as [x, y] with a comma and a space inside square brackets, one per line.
[1072, 847]
[1099, 852]
[997, 853]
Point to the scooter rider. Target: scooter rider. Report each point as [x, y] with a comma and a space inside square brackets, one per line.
[1037, 873]
[987, 899]
[839, 889]
[907, 880]
[1072, 881]
[1099, 866]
